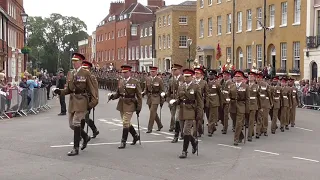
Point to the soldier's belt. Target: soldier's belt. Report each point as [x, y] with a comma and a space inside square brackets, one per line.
[262, 95]
[276, 97]
[285, 97]
[214, 94]
[186, 101]
[252, 97]
[293, 96]
[78, 92]
[225, 92]
[128, 96]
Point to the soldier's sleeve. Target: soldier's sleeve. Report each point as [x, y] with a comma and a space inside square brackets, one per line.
[93, 91]
[199, 103]
[219, 94]
[65, 91]
[290, 98]
[270, 95]
[117, 94]
[247, 104]
[139, 97]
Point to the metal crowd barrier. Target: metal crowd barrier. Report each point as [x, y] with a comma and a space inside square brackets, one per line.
[23, 102]
[311, 100]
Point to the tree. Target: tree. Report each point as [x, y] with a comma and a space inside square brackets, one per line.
[51, 39]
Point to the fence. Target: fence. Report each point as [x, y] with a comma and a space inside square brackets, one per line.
[23, 103]
[310, 100]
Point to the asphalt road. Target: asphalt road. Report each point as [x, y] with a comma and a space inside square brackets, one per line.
[35, 148]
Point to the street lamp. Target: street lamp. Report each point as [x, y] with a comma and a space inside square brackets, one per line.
[189, 42]
[24, 17]
[71, 52]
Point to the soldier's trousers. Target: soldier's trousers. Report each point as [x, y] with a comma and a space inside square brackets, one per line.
[293, 115]
[262, 121]
[274, 119]
[251, 119]
[75, 118]
[225, 116]
[173, 116]
[234, 119]
[238, 135]
[175, 113]
[187, 126]
[154, 116]
[284, 113]
[126, 119]
[213, 119]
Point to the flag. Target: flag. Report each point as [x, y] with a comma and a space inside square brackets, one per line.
[219, 54]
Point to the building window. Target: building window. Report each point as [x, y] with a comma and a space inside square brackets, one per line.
[109, 35]
[133, 53]
[259, 56]
[209, 26]
[164, 20]
[118, 34]
[131, 34]
[239, 14]
[218, 1]
[284, 13]
[109, 53]
[318, 24]
[182, 41]
[201, 3]
[150, 51]
[125, 31]
[249, 20]
[201, 29]
[296, 55]
[168, 41]
[259, 18]
[283, 47]
[249, 57]
[145, 32]
[129, 53]
[228, 23]
[169, 20]
[146, 51]
[164, 42]
[133, 31]
[142, 55]
[219, 25]
[228, 51]
[209, 2]
[159, 21]
[272, 15]
[297, 4]
[159, 40]
[137, 52]
[183, 20]
[150, 31]
[141, 32]
[118, 54]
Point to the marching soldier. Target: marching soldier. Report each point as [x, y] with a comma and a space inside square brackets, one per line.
[213, 97]
[276, 94]
[154, 89]
[253, 104]
[199, 74]
[239, 98]
[226, 83]
[130, 101]
[176, 80]
[295, 102]
[87, 66]
[285, 104]
[190, 101]
[79, 86]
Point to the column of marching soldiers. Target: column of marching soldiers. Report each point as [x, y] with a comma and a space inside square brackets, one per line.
[249, 98]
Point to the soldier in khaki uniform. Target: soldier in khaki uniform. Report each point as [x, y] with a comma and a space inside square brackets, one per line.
[199, 74]
[226, 83]
[295, 102]
[213, 97]
[190, 101]
[154, 88]
[253, 104]
[176, 80]
[276, 94]
[130, 101]
[285, 104]
[80, 85]
[239, 98]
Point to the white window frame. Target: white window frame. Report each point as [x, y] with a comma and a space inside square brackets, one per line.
[183, 41]
[229, 21]
[201, 3]
[249, 56]
[284, 13]
[129, 53]
[210, 26]
[142, 55]
[249, 20]
[145, 32]
[228, 52]
[201, 28]
[109, 53]
[169, 20]
[297, 11]
[183, 20]
[133, 53]
[119, 55]
[168, 41]
[209, 2]
[150, 51]
[218, 1]
[239, 17]
[137, 52]
[296, 55]
[283, 50]
[159, 42]
[164, 21]
[219, 25]
[134, 32]
[272, 11]
[150, 31]
[164, 41]
[259, 18]
[141, 32]
[159, 21]
[259, 56]
[146, 51]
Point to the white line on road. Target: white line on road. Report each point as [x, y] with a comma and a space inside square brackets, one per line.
[267, 152]
[169, 137]
[112, 143]
[115, 124]
[304, 129]
[117, 120]
[305, 159]
[166, 133]
[103, 120]
[225, 145]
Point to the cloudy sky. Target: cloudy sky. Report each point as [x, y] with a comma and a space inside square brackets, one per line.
[91, 14]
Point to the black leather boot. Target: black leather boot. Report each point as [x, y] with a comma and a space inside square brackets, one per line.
[85, 138]
[176, 132]
[134, 134]
[194, 144]
[76, 141]
[83, 123]
[125, 132]
[93, 127]
[186, 140]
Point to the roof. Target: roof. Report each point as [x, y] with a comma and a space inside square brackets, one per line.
[188, 3]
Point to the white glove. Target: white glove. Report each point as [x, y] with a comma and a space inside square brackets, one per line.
[162, 94]
[110, 94]
[172, 101]
[53, 89]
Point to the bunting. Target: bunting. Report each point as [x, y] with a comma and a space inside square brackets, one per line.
[219, 54]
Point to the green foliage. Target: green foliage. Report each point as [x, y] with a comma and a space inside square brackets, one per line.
[26, 50]
[51, 39]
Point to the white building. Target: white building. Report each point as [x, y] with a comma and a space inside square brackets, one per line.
[312, 51]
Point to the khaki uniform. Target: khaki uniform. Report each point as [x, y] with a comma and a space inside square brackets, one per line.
[225, 102]
[265, 98]
[154, 87]
[286, 104]
[276, 94]
[203, 89]
[295, 103]
[252, 106]
[213, 102]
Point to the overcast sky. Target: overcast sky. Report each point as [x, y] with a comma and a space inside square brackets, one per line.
[91, 14]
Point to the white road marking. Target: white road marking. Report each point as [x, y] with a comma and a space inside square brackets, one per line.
[103, 120]
[267, 152]
[111, 143]
[144, 128]
[304, 129]
[115, 124]
[225, 145]
[312, 160]
[169, 137]
[156, 134]
[166, 133]
[117, 120]
[71, 143]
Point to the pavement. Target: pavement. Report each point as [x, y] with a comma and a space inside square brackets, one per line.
[35, 148]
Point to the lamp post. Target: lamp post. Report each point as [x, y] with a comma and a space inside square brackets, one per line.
[71, 52]
[24, 17]
[189, 42]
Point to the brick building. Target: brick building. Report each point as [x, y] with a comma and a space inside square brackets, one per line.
[174, 26]
[147, 37]
[118, 32]
[242, 39]
[13, 33]
[85, 48]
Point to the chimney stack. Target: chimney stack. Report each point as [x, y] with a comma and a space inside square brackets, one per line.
[114, 6]
[127, 3]
[159, 3]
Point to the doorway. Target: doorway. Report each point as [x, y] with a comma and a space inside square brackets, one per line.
[208, 61]
[314, 71]
[273, 64]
